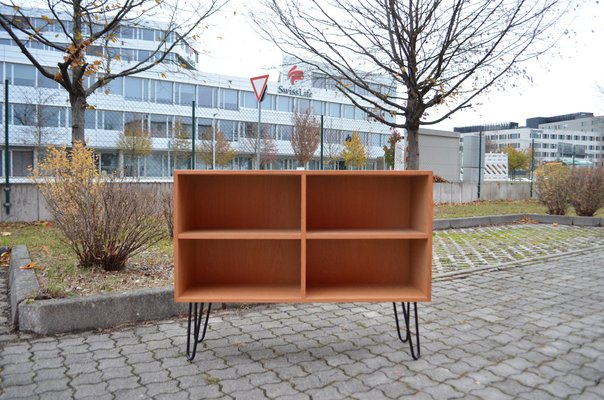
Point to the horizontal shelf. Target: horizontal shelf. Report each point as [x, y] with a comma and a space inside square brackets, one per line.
[366, 234]
[241, 293]
[364, 293]
[241, 234]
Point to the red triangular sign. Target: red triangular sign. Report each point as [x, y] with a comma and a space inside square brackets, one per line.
[259, 85]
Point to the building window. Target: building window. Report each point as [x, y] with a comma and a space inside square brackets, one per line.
[108, 162]
[51, 116]
[248, 100]
[348, 111]
[113, 120]
[48, 83]
[115, 86]
[158, 125]
[165, 92]
[359, 114]
[133, 89]
[318, 107]
[135, 122]
[187, 94]
[22, 161]
[205, 96]
[90, 119]
[24, 75]
[284, 103]
[303, 105]
[205, 128]
[333, 110]
[24, 114]
[230, 99]
[229, 128]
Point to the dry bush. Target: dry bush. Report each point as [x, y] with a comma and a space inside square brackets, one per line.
[167, 210]
[587, 190]
[104, 219]
[552, 184]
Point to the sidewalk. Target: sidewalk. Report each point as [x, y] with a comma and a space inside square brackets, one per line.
[532, 332]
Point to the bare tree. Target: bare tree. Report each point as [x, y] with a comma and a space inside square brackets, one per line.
[265, 146]
[305, 137]
[437, 55]
[135, 142]
[181, 146]
[77, 27]
[215, 147]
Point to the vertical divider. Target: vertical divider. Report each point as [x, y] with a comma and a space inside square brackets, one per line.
[303, 234]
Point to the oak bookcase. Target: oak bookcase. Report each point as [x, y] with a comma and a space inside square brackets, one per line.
[302, 236]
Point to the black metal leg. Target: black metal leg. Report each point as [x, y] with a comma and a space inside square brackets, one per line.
[195, 317]
[406, 318]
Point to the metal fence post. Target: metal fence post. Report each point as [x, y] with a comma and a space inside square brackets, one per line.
[193, 134]
[322, 137]
[6, 150]
[479, 161]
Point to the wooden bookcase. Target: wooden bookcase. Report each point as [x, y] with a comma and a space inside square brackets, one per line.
[302, 236]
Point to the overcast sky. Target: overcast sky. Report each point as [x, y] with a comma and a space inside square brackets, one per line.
[560, 84]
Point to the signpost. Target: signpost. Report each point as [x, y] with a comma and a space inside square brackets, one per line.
[259, 85]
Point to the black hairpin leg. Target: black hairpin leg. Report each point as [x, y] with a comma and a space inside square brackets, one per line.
[196, 315]
[406, 317]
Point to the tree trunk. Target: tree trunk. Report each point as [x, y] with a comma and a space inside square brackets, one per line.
[78, 110]
[412, 150]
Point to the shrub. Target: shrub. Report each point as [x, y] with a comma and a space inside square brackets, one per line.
[167, 209]
[552, 186]
[104, 219]
[587, 190]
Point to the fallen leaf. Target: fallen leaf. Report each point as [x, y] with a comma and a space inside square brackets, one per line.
[31, 265]
[555, 225]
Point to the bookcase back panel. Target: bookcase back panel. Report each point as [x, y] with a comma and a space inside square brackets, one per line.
[358, 202]
[239, 202]
[241, 262]
[357, 262]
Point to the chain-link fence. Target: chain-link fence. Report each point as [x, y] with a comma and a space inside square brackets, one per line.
[147, 128]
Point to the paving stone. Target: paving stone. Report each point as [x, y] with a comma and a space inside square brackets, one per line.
[529, 332]
[61, 395]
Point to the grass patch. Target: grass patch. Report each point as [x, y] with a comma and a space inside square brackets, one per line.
[500, 207]
[59, 275]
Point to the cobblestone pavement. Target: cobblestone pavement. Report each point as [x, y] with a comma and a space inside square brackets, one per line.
[464, 249]
[532, 332]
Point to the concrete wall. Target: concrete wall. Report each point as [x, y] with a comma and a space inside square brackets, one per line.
[28, 205]
[464, 192]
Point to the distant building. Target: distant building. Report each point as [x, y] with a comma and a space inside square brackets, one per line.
[537, 122]
[578, 136]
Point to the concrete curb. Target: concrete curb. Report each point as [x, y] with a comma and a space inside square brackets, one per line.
[22, 284]
[100, 311]
[108, 310]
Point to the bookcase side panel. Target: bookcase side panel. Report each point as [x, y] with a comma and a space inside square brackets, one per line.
[420, 273]
[421, 203]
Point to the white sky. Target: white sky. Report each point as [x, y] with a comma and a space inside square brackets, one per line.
[564, 82]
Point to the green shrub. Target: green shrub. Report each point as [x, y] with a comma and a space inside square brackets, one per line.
[104, 219]
[587, 190]
[552, 187]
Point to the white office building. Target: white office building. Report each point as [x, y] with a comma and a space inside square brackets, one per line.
[584, 147]
[160, 101]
